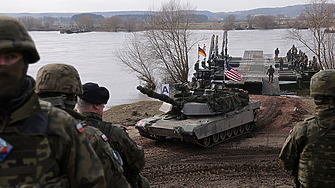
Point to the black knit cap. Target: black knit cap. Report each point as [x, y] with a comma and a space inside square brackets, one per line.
[94, 94]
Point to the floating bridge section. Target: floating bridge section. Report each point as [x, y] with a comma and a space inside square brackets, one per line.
[253, 67]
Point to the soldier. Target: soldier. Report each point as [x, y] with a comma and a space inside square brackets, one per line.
[294, 51]
[91, 104]
[295, 64]
[281, 63]
[289, 55]
[315, 64]
[59, 84]
[308, 150]
[270, 72]
[195, 84]
[276, 53]
[39, 144]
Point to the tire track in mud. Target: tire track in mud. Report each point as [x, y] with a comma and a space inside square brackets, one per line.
[236, 167]
[182, 163]
[268, 112]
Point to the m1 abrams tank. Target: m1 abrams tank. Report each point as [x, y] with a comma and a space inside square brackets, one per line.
[207, 115]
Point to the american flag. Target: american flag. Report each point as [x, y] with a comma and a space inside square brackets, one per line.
[231, 73]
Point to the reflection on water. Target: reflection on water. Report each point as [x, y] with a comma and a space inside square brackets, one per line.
[92, 55]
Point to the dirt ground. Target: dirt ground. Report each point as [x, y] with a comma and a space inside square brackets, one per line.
[248, 161]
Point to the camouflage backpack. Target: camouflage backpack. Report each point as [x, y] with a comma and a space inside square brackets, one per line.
[31, 155]
[316, 166]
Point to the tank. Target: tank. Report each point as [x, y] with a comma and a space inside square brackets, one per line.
[208, 115]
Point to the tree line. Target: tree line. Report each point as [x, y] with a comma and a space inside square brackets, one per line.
[82, 22]
[89, 21]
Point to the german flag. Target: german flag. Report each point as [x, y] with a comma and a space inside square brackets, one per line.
[201, 52]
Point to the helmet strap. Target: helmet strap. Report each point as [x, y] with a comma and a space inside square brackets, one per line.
[58, 101]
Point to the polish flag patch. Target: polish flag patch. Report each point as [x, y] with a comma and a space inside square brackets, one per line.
[142, 123]
[80, 128]
[104, 137]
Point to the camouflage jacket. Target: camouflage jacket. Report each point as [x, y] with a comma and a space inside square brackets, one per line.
[132, 154]
[311, 160]
[270, 71]
[48, 148]
[111, 160]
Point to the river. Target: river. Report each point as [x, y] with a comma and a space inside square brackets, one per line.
[92, 55]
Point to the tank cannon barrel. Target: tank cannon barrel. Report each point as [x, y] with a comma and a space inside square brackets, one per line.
[158, 96]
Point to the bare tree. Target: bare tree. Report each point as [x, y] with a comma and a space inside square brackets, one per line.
[85, 22]
[250, 20]
[319, 17]
[130, 24]
[137, 59]
[113, 22]
[264, 21]
[167, 42]
[280, 18]
[229, 22]
[299, 22]
[170, 39]
[29, 21]
[48, 21]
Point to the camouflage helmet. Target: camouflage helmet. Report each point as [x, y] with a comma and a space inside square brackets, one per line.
[14, 36]
[58, 78]
[323, 84]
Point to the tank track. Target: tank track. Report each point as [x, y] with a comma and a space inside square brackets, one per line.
[199, 142]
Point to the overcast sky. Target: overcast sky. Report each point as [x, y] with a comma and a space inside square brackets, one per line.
[42, 6]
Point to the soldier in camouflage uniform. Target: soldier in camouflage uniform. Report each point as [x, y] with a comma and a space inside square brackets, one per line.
[91, 104]
[270, 73]
[309, 150]
[59, 84]
[40, 146]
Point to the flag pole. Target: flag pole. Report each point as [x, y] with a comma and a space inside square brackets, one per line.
[224, 71]
[204, 48]
[198, 51]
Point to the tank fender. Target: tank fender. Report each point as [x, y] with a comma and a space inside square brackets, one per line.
[143, 124]
[185, 130]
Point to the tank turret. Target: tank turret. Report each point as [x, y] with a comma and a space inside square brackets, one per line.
[212, 101]
[174, 109]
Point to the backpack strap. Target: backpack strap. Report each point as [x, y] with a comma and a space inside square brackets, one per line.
[45, 107]
[319, 134]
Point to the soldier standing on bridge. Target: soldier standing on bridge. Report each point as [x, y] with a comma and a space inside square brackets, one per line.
[281, 62]
[295, 64]
[294, 52]
[270, 73]
[276, 53]
[289, 55]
